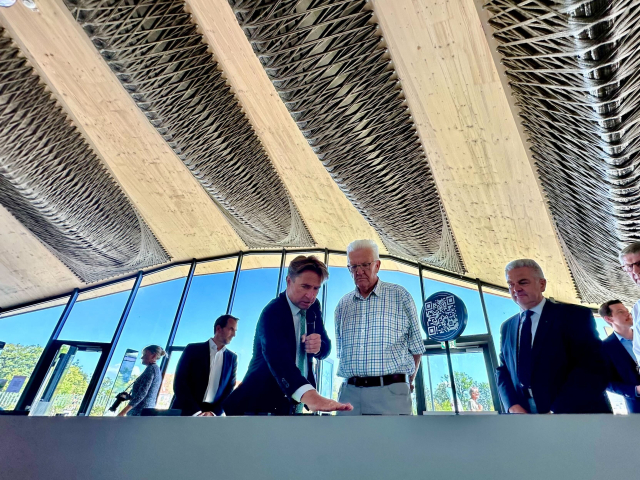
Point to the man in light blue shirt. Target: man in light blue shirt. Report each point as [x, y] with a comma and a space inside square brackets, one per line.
[624, 378]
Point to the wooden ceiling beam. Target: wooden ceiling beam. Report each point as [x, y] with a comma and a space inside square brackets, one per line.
[480, 164]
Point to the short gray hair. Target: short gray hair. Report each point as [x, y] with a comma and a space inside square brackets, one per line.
[524, 262]
[364, 245]
[629, 250]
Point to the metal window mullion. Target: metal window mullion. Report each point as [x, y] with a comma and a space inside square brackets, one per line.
[178, 316]
[116, 338]
[284, 254]
[234, 285]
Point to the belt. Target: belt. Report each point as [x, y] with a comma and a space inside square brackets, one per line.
[378, 381]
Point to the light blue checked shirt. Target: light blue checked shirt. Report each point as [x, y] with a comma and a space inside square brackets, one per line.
[377, 335]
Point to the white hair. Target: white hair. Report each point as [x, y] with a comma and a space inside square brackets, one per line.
[364, 245]
[524, 262]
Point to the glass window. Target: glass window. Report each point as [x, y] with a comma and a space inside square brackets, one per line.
[25, 333]
[149, 322]
[95, 314]
[469, 370]
[207, 300]
[404, 275]
[437, 388]
[467, 292]
[500, 307]
[340, 283]
[256, 288]
[166, 390]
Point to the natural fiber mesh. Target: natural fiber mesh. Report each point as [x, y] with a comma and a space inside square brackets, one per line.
[328, 64]
[573, 69]
[162, 61]
[57, 187]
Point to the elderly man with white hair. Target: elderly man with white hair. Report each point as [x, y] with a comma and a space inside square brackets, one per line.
[377, 338]
[551, 356]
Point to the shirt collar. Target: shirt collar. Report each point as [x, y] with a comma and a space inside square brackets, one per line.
[294, 310]
[621, 338]
[214, 347]
[538, 308]
[375, 290]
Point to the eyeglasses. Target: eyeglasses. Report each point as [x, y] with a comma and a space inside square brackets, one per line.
[364, 266]
[628, 267]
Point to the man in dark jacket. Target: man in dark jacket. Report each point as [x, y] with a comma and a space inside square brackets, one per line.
[289, 334]
[551, 356]
[206, 372]
[624, 378]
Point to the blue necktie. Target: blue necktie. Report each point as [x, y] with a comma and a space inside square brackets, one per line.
[524, 352]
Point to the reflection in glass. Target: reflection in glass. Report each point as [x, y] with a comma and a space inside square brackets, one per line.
[25, 333]
[470, 370]
[96, 313]
[149, 322]
[166, 389]
[66, 382]
[437, 387]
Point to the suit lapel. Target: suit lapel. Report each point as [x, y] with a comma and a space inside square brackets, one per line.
[544, 324]
[622, 359]
[224, 374]
[514, 323]
[287, 318]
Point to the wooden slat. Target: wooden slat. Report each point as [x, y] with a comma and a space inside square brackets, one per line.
[28, 270]
[170, 199]
[332, 220]
[481, 167]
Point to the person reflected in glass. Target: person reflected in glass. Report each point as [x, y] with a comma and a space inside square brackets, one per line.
[144, 391]
[474, 405]
[289, 335]
[378, 339]
[551, 358]
[624, 376]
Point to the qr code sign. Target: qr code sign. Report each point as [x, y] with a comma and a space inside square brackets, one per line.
[441, 315]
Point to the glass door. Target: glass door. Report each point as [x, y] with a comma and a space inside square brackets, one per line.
[67, 380]
[473, 376]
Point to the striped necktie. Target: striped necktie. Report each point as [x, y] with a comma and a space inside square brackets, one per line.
[301, 354]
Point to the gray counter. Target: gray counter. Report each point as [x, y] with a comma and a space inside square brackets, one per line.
[545, 447]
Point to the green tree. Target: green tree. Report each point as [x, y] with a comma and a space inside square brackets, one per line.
[442, 397]
[17, 359]
[74, 382]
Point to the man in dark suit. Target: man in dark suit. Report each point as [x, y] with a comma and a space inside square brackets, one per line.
[289, 334]
[206, 372]
[551, 359]
[624, 378]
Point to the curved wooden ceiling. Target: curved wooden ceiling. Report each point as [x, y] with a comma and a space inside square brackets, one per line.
[450, 83]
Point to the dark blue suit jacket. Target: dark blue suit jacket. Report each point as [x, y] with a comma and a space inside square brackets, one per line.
[273, 376]
[568, 373]
[623, 376]
[192, 378]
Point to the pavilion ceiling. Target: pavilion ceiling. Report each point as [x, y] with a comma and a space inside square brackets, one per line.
[243, 124]
[573, 69]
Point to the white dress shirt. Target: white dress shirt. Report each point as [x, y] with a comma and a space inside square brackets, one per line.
[636, 329]
[216, 359]
[300, 350]
[535, 319]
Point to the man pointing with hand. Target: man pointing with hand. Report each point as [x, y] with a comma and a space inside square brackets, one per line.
[289, 334]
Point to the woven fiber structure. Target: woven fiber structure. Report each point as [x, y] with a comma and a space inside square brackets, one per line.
[162, 61]
[573, 69]
[333, 72]
[57, 187]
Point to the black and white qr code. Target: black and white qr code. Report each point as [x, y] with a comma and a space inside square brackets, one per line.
[441, 315]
